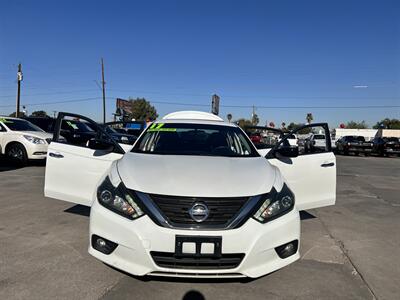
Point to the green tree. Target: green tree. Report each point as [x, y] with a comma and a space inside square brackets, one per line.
[142, 110]
[255, 119]
[294, 126]
[356, 125]
[21, 114]
[244, 123]
[39, 113]
[388, 124]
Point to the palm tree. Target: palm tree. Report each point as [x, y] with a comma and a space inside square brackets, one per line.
[309, 118]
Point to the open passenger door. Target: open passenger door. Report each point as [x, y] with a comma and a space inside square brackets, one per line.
[75, 165]
[309, 169]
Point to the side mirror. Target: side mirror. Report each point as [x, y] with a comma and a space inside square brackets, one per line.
[102, 145]
[288, 151]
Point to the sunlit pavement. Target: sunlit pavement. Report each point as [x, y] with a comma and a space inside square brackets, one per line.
[349, 251]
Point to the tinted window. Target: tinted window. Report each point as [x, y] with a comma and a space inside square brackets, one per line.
[20, 125]
[76, 126]
[392, 139]
[44, 123]
[361, 138]
[195, 139]
[349, 138]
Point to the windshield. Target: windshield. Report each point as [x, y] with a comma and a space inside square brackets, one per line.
[195, 139]
[19, 125]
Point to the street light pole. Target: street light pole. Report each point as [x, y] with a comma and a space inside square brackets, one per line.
[104, 90]
[19, 79]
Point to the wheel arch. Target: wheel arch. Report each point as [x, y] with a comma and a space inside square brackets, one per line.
[10, 143]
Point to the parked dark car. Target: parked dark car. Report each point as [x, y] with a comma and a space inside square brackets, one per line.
[118, 136]
[134, 128]
[44, 123]
[386, 145]
[391, 146]
[350, 143]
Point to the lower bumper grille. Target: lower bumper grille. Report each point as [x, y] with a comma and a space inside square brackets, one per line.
[168, 260]
[198, 275]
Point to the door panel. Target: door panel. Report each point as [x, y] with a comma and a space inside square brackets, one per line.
[73, 171]
[312, 178]
[312, 174]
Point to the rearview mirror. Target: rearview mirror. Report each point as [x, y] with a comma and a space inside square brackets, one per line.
[102, 145]
[288, 151]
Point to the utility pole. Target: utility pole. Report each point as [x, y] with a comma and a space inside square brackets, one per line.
[104, 90]
[19, 79]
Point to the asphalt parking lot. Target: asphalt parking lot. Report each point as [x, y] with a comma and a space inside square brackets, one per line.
[348, 251]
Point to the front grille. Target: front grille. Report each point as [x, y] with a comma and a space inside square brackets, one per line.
[168, 260]
[176, 209]
[49, 140]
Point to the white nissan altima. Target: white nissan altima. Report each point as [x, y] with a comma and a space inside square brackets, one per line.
[193, 197]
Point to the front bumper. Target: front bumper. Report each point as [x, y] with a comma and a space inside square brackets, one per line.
[36, 151]
[136, 239]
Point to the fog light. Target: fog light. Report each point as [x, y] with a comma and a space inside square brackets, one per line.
[288, 249]
[106, 196]
[103, 245]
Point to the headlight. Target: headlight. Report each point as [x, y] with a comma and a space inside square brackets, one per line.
[34, 140]
[277, 204]
[118, 200]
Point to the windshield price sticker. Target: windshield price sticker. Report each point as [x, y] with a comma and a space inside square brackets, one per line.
[159, 127]
[72, 125]
[5, 120]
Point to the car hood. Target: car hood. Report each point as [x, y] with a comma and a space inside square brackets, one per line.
[37, 134]
[201, 176]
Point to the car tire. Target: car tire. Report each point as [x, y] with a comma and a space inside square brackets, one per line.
[16, 153]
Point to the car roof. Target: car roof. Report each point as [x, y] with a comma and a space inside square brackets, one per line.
[189, 121]
[194, 117]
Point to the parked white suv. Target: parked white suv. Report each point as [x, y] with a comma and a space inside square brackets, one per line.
[193, 198]
[20, 140]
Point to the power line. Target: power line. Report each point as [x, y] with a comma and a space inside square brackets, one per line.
[207, 105]
[279, 107]
[57, 102]
[250, 96]
[206, 95]
[53, 93]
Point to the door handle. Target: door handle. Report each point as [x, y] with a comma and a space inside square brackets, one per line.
[326, 165]
[56, 155]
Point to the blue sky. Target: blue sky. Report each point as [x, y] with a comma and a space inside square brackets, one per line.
[262, 53]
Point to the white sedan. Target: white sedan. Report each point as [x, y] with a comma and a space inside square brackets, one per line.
[193, 198]
[20, 140]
